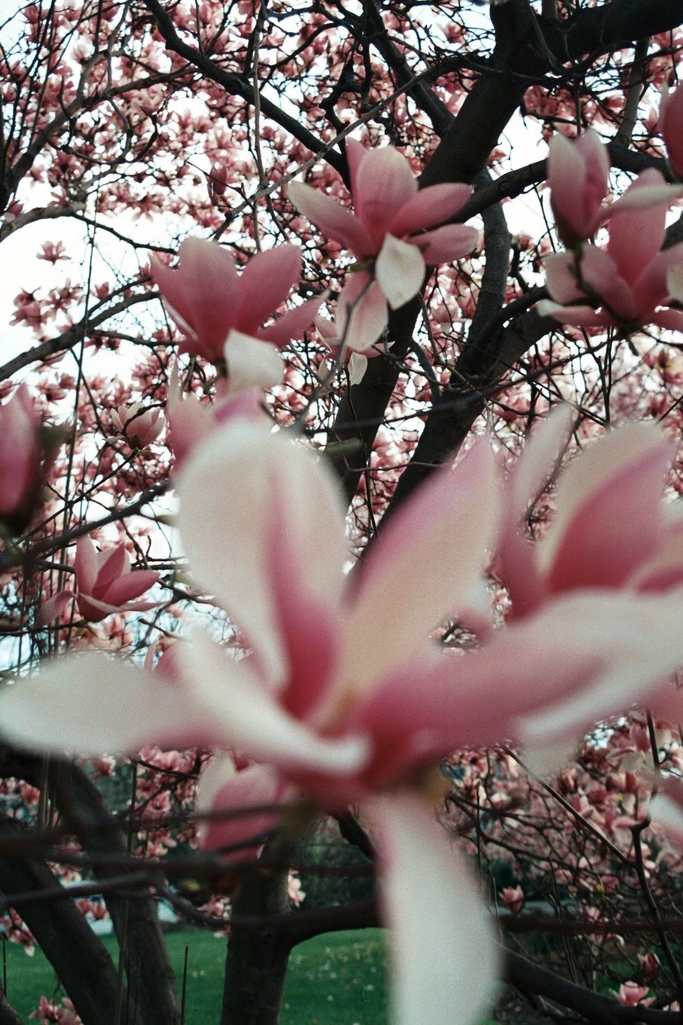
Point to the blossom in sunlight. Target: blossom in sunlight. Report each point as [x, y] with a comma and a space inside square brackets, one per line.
[343, 695]
[105, 583]
[625, 285]
[578, 176]
[387, 236]
[210, 301]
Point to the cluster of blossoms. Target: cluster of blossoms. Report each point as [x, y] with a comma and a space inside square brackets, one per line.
[625, 285]
[345, 698]
[342, 695]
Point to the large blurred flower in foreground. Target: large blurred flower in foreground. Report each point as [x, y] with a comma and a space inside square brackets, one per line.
[386, 235]
[209, 300]
[343, 693]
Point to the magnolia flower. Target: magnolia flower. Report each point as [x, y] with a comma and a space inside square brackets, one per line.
[632, 995]
[671, 127]
[343, 694]
[611, 528]
[513, 898]
[105, 583]
[386, 235]
[217, 181]
[21, 460]
[578, 176]
[210, 301]
[626, 283]
[140, 426]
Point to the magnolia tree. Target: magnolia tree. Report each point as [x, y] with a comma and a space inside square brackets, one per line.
[338, 477]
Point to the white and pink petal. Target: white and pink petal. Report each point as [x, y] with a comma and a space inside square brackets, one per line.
[443, 950]
[427, 563]
[229, 521]
[400, 271]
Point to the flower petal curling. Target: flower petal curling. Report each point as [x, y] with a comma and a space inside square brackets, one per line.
[222, 790]
[265, 283]
[362, 313]
[92, 704]
[624, 471]
[252, 721]
[448, 243]
[383, 185]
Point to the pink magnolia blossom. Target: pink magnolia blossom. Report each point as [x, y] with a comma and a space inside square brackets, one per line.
[626, 285]
[210, 301]
[105, 583]
[139, 426]
[671, 127]
[217, 181]
[578, 176]
[343, 694]
[632, 995]
[52, 253]
[387, 236]
[48, 1011]
[21, 460]
[611, 528]
[513, 898]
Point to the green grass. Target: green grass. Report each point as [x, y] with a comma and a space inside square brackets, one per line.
[336, 979]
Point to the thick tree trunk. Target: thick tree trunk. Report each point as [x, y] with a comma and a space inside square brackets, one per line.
[144, 956]
[80, 960]
[257, 959]
[8, 1016]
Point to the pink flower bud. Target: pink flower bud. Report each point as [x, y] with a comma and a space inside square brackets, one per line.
[578, 173]
[217, 181]
[671, 127]
[20, 460]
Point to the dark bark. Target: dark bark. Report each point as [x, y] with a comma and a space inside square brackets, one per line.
[8, 1016]
[79, 959]
[592, 1007]
[136, 922]
[256, 964]
[466, 143]
[480, 369]
[362, 406]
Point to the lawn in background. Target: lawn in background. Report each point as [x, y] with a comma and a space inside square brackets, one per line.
[335, 979]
